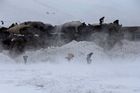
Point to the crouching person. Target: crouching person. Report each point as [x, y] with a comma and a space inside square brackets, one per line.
[70, 56]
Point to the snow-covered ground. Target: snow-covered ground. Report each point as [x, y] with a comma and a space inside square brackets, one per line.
[70, 78]
[47, 70]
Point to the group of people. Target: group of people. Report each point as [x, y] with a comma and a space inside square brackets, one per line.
[101, 21]
[70, 56]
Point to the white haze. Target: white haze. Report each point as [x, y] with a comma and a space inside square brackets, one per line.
[47, 70]
[58, 12]
[126, 52]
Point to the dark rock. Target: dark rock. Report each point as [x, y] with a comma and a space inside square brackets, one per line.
[33, 35]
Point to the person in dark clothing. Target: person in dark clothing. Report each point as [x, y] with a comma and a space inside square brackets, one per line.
[14, 24]
[116, 22]
[25, 59]
[101, 20]
[2, 22]
[89, 58]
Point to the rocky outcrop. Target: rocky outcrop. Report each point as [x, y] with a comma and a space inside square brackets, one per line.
[35, 35]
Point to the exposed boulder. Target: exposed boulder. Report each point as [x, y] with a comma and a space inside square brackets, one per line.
[25, 35]
[16, 29]
[3, 34]
[72, 24]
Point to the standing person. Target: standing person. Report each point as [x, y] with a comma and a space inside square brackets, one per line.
[25, 59]
[89, 58]
[116, 22]
[2, 22]
[101, 20]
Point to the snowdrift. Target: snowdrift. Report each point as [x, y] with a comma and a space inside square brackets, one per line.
[127, 52]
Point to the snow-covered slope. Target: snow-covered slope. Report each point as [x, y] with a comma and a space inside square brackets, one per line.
[59, 54]
[58, 12]
[125, 52]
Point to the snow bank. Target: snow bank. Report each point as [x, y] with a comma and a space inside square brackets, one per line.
[126, 52]
[59, 54]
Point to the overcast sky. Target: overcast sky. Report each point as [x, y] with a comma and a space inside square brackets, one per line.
[128, 11]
